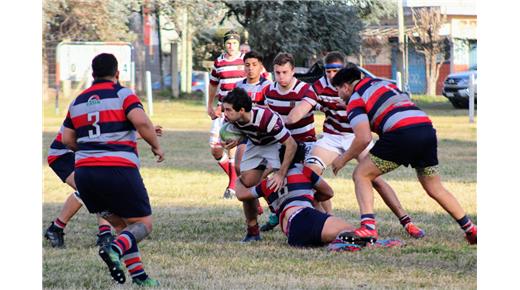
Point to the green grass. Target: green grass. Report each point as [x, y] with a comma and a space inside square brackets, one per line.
[194, 242]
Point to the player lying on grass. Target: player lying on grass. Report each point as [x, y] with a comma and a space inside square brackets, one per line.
[294, 202]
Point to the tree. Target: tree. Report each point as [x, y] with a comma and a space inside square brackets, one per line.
[303, 28]
[427, 40]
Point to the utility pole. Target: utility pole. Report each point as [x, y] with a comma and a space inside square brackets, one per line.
[401, 59]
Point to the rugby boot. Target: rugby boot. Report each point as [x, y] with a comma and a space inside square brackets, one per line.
[253, 234]
[104, 240]
[148, 282]
[113, 261]
[471, 235]
[270, 224]
[55, 235]
[414, 231]
[229, 193]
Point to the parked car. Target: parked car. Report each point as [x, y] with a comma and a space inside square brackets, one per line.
[197, 81]
[456, 88]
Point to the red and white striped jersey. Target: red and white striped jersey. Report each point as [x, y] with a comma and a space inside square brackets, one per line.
[255, 91]
[384, 106]
[283, 103]
[265, 127]
[226, 73]
[57, 148]
[104, 135]
[333, 106]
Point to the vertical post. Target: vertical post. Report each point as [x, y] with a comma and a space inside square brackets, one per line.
[149, 92]
[398, 80]
[471, 98]
[402, 47]
[174, 69]
[206, 88]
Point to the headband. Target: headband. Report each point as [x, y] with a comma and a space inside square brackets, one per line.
[333, 65]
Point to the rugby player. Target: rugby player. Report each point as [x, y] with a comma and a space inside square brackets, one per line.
[338, 136]
[406, 137]
[101, 127]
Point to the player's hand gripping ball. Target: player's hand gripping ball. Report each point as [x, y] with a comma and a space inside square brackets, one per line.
[229, 133]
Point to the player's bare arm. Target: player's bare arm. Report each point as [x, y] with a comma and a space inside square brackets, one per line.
[145, 128]
[277, 180]
[323, 191]
[211, 98]
[362, 138]
[298, 112]
[69, 139]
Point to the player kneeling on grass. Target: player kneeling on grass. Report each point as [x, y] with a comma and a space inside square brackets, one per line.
[101, 128]
[294, 202]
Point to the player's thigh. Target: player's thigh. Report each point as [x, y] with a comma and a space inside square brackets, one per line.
[366, 168]
[332, 227]
[70, 181]
[251, 177]
[327, 156]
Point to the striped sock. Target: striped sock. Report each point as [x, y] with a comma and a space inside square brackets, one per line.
[104, 229]
[132, 260]
[465, 224]
[124, 242]
[368, 221]
[58, 223]
[405, 219]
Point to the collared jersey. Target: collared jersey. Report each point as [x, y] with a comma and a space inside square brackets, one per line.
[105, 136]
[297, 189]
[265, 127]
[283, 103]
[384, 106]
[226, 73]
[255, 91]
[332, 105]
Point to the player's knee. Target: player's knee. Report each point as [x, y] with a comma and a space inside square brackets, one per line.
[316, 162]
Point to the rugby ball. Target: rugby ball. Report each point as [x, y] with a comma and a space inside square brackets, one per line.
[229, 132]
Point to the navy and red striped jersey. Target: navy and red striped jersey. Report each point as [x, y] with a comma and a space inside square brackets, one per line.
[297, 189]
[255, 91]
[57, 148]
[332, 105]
[226, 73]
[283, 103]
[104, 135]
[265, 127]
[383, 105]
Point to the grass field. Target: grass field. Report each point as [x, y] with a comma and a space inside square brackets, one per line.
[195, 245]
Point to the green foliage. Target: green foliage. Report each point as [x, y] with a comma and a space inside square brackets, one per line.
[95, 20]
[302, 28]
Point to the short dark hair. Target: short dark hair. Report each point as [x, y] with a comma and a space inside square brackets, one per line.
[299, 155]
[346, 75]
[283, 58]
[335, 56]
[104, 65]
[254, 54]
[239, 99]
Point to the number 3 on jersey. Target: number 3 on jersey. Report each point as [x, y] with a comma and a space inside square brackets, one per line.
[94, 118]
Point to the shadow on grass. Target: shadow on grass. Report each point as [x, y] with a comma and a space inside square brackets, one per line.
[214, 232]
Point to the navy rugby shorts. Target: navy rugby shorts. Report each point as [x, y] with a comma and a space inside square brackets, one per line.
[415, 146]
[305, 228]
[63, 166]
[118, 190]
